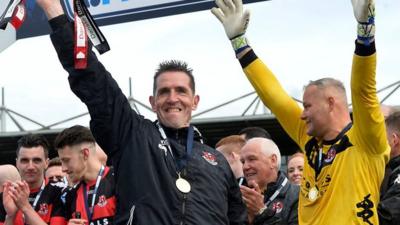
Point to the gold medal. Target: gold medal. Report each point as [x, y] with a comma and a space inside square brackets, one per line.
[182, 185]
[313, 194]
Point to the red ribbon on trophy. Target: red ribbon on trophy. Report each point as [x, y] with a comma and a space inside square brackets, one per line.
[86, 27]
[14, 14]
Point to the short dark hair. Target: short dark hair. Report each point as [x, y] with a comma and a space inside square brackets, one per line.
[393, 121]
[252, 132]
[31, 141]
[72, 136]
[174, 66]
[56, 161]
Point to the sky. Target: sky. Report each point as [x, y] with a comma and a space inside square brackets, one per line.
[300, 40]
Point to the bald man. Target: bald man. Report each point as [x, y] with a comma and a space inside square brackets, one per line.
[8, 173]
[270, 197]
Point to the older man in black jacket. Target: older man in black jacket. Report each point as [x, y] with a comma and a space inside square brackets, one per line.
[270, 197]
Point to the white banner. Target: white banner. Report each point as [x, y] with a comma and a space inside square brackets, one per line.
[107, 12]
[104, 9]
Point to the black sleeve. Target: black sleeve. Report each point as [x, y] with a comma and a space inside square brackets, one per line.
[363, 50]
[268, 217]
[248, 58]
[58, 213]
[2, 210]
[389, 206]
[293, 218]
[108, 107]
[237, 212]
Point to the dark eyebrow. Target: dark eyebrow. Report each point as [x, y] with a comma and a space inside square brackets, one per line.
[162, 90]
[27, 158]
[182, 89]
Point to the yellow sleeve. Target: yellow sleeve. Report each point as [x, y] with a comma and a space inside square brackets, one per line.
[286, 110]
[369, 124]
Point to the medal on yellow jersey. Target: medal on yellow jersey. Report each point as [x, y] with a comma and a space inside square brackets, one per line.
[313, 194]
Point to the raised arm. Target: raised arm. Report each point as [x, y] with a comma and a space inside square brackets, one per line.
[230, 13]
[368, 120]
[108, 107]
[52, 8]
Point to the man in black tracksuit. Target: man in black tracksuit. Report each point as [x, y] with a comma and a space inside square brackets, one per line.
[159, 180]
[389, 205]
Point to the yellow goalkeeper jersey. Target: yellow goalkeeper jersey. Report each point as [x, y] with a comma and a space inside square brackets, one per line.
[341, 177]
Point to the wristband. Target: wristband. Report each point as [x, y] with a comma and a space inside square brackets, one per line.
[366, 30]
[365, 33]
[239, 43]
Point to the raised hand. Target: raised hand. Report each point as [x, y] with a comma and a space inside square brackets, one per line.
[8, 201]
[20, 194]
[253, 199]
[230, 14]
[364, 12]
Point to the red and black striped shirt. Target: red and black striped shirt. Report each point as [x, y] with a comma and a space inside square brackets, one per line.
[105, 202]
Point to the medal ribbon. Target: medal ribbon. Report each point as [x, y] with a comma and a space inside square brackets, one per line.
[318, 160]
[38, 195]
[89, 210]
[182, 162]
[276, 193]
[91, 30]
[14, 14]
[80, 42]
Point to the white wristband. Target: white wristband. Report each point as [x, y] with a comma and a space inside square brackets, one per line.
[239, 43]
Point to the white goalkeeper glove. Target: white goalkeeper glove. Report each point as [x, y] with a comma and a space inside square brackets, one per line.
[230, 14]
[364, 12]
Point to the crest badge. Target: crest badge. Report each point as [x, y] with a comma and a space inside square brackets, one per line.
[277, 206]
[210, 158]
[44, 209]
[102, 201]
[330, 155]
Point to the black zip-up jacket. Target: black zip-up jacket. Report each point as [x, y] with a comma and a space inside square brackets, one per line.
[144, 171]
[389, 205]
[283, 210]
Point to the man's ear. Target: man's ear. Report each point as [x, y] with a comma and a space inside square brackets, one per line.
[396, 139]
[235, 156]
[86, 153]
[196, 100]
[152, 103]
[331, 102]
[46, 162]
[274, 161]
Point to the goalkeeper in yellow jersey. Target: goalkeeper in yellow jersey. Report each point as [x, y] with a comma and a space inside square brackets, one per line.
[344, 159]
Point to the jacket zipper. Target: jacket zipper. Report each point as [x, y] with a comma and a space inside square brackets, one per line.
[183, 209]
[183, 202]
